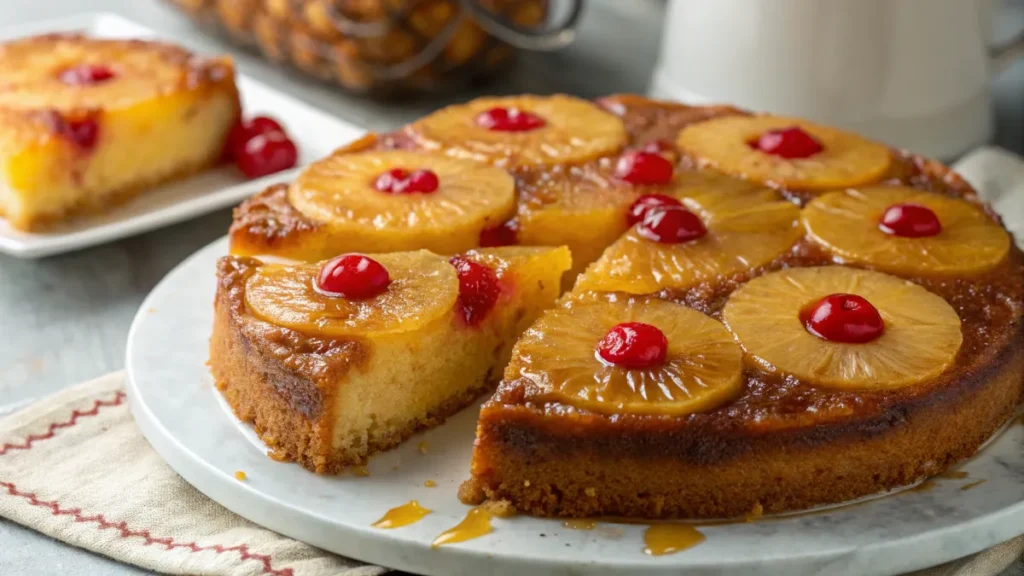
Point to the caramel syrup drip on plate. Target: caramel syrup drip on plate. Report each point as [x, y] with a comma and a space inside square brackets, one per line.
[408, 513]
[923, 486]
[477, 523]
[972, 485]
[580, 524]
[660, 539]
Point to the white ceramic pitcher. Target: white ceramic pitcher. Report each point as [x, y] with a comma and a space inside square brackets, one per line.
[912, 73]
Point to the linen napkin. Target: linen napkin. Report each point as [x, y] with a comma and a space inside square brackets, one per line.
[75, 467]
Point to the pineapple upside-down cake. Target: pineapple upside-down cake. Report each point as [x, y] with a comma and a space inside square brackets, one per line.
[761, 313]
[87, 123]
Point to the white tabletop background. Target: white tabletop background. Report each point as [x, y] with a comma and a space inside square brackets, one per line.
[64, 319]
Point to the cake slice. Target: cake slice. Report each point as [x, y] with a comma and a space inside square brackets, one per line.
[335, 361]
[87, 123]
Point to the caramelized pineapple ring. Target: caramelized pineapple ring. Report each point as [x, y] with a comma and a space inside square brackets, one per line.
[921, 335]
[423, 288]
[702, 368]
[341, 191]
[569, 130]
[68, 72]
[747, 227]
[726, 144]
[847, 224]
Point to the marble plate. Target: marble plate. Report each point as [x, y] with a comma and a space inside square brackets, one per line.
[183, 199]
[177, 408]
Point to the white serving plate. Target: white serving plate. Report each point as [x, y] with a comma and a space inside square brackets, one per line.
[315, 132]
[179, 411]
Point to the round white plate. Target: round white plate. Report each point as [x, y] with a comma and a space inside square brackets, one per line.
[182, 415]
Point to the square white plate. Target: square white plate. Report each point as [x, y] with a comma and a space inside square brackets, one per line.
[315, 132]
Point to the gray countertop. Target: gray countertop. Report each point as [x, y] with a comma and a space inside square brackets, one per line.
[72, 312]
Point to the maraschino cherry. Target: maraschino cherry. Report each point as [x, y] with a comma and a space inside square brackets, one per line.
[910, 221]
[671, 225]
[86, 74]
[353, 276]
[504, 234]
[267, 153]
[246, 129]
[633, 345]
[401, 181]
[845, 318]
[645, 203]
[83, 132]
[789, 143]
[639, 167]
[260, 146]
[478, 289]
[509, 120]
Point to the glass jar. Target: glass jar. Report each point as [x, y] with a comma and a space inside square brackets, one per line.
[388, 47]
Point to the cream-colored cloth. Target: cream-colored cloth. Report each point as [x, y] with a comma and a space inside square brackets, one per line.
[75, 467]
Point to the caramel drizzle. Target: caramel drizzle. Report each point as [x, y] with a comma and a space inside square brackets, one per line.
[661, 539]
[477, 523]
[409, 513]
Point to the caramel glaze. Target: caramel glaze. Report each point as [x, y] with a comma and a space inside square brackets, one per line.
[990, 306]
[28, 121]
[270, 223]
[193, 71]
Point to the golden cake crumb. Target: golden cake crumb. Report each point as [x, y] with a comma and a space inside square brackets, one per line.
[423, 447]
[430, 483]
[499, 508]
[756, 512]
[240, 476]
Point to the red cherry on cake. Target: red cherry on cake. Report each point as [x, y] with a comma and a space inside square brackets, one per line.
[478, 289]
[266, 154]
[845, 318]
[509, 120]
[792, 142]
[633, 345]
[401, 181]
[353, 276]
[910, 221]
[83, 132]
[645, 203]
[639, 167]
[245, 129]
[504, 234]
[86, 74]
[671, 225]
